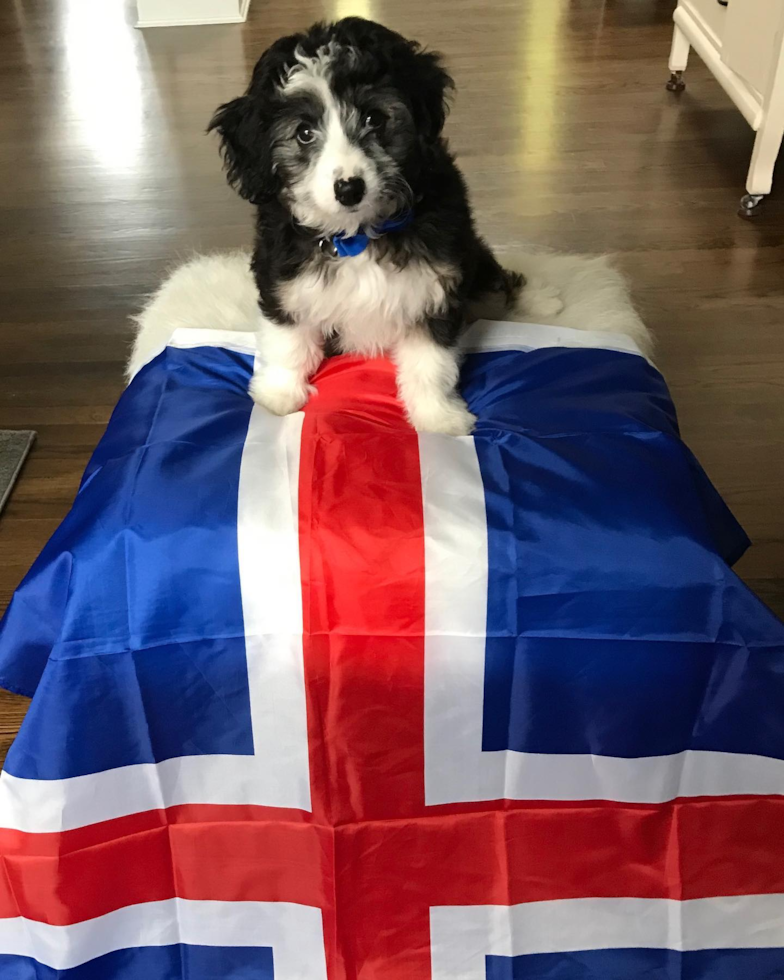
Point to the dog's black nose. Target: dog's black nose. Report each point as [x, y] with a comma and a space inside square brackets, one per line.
[350, 192]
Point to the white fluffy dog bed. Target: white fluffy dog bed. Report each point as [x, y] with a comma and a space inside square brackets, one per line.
[218, 292]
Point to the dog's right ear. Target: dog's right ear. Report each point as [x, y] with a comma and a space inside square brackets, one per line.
[244, 147]
[242, 124]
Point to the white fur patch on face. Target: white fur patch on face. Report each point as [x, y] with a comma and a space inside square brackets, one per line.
[314, 202]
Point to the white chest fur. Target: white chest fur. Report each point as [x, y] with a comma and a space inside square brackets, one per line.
[369, 303]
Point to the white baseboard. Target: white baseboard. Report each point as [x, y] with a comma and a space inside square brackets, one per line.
[190, 13]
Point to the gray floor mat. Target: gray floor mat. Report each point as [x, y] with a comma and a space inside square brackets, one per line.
[14, 447]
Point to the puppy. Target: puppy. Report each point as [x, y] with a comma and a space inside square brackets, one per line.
[365, 239]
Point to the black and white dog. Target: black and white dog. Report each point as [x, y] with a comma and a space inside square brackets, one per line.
[365, 239]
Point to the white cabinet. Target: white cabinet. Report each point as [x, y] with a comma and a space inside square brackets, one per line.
[743, 45]
[167, 13]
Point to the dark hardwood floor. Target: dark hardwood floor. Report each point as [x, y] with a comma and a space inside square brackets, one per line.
[566, 134]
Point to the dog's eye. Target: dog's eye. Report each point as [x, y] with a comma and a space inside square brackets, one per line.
[305, 134]
[375, 119]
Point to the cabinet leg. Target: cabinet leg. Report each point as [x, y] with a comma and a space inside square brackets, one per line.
[767, 144]
[679, 53]
[766, 148]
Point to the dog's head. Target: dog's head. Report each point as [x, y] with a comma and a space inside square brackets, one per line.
[337, 124]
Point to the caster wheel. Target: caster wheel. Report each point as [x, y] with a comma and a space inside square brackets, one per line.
[750, 205]
[676, 82]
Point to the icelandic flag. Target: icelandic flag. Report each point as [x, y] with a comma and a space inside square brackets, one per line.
[319, 698]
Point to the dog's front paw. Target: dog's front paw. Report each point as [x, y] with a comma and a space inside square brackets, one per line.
[279, 394]
[448, 416]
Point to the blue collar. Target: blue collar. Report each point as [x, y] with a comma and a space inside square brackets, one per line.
[346, 245]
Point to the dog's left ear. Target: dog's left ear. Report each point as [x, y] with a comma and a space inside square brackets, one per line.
[430, 87]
